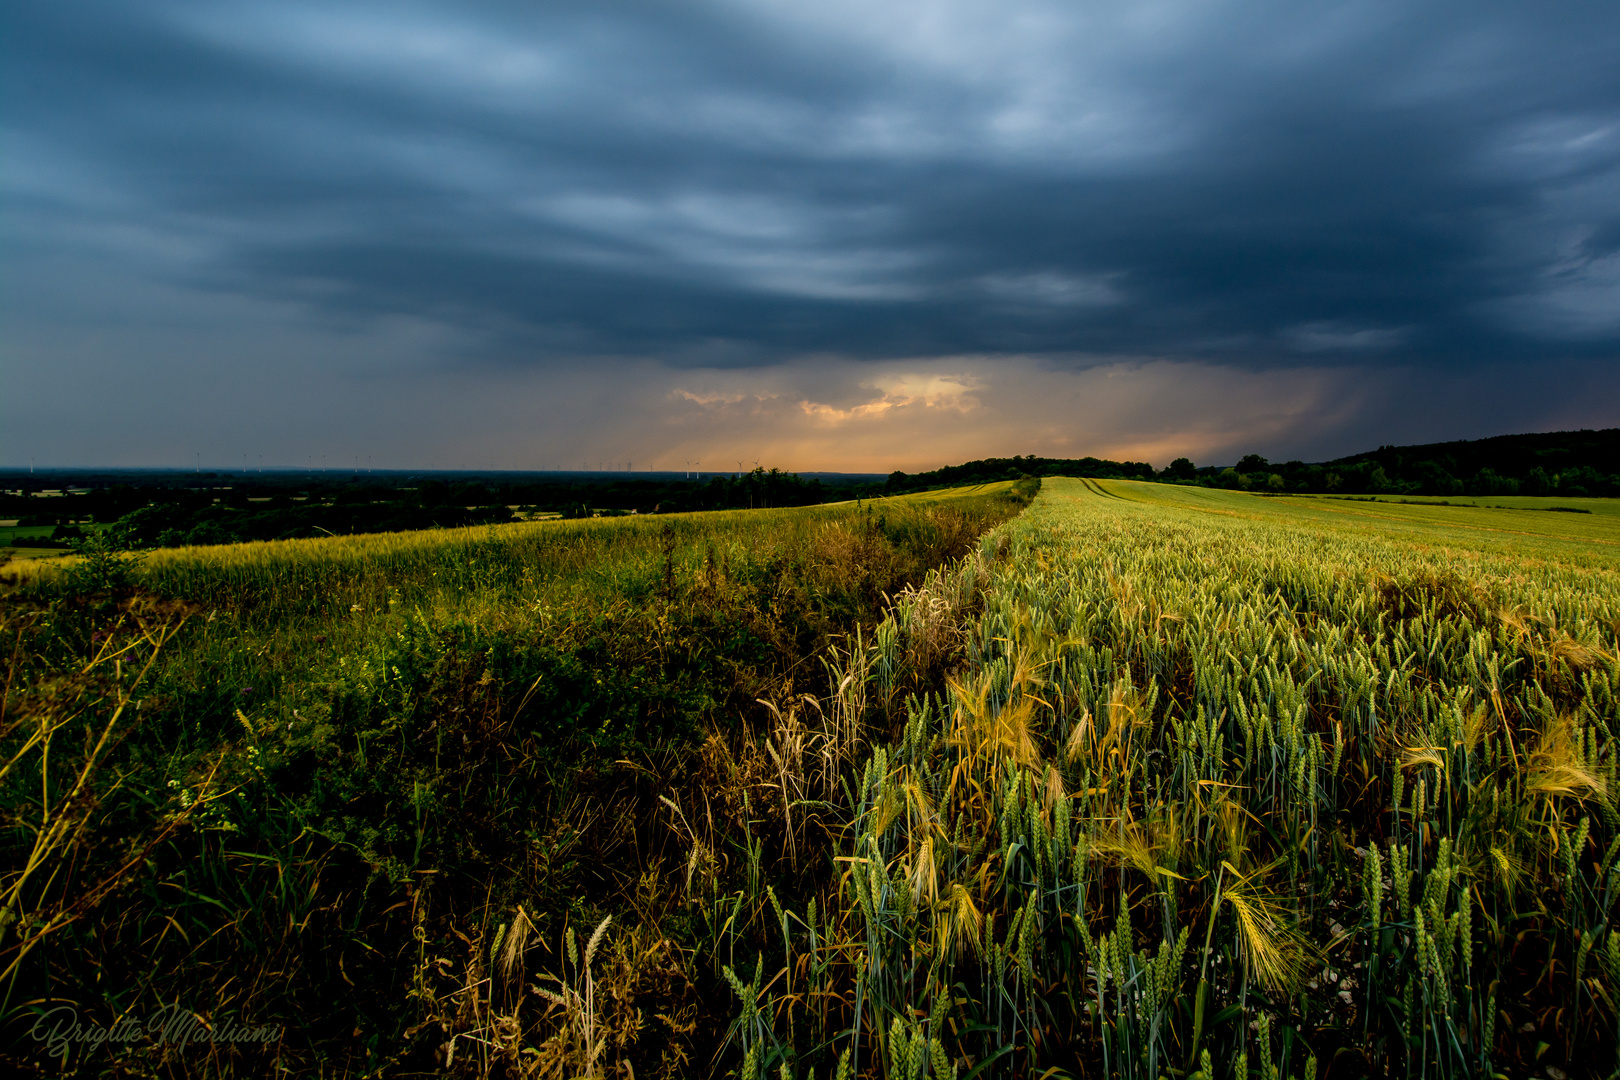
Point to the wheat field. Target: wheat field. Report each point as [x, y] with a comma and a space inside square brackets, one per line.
[1229, 786]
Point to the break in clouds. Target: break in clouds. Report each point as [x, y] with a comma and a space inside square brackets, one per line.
[849, 235]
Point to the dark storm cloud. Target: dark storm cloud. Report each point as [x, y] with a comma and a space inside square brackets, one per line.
[728, 183]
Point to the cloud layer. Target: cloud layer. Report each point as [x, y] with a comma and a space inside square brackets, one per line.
[309, 198]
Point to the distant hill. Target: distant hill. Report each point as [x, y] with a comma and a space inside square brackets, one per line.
[1507, 455]
[1571, 463]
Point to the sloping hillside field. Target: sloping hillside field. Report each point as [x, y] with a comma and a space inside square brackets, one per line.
[1148, 781]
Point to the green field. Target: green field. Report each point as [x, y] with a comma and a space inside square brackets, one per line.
[1148, 781]
[1583, 519]
[8, 533]
[1340, 772]
[1607, 507]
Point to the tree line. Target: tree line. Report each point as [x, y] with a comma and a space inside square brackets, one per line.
[1573, 464]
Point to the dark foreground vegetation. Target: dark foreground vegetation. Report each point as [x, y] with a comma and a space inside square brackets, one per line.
[359, 792]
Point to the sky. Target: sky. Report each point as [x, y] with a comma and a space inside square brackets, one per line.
[852, 235]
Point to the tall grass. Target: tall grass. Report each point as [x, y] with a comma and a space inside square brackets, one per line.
[308, 783]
